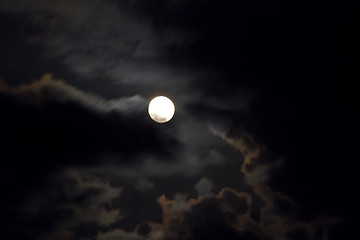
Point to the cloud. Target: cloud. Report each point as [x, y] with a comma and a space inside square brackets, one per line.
[247, 145]
[47, 89]
[186, 222]
[93, 209]
[84, 37]
[204, 186]
[233, 213]
[261, 172]
[75, 199]
[119, 234]
[229, 215]
[144, 185]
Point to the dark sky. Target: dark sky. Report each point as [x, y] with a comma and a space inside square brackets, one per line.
[262, 145]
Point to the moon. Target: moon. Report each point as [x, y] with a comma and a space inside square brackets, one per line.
[161, 109]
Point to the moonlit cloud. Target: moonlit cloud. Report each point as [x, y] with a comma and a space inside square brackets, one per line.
[204, 186]
[86, 199]
[48, 89]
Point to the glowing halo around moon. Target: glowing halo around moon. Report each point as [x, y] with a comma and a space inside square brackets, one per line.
[161, 109]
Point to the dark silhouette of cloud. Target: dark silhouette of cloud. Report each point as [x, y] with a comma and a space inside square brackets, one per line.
[229, 213]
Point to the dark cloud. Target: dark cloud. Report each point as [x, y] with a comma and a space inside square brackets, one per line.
[204, 186]
[232, 214]
[227, 215]
[71, 200]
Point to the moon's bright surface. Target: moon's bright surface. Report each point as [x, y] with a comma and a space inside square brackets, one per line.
[161, 109]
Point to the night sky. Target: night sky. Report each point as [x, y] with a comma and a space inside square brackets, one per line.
[262, 146]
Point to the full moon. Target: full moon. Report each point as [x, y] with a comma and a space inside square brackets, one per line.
[161, 109]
